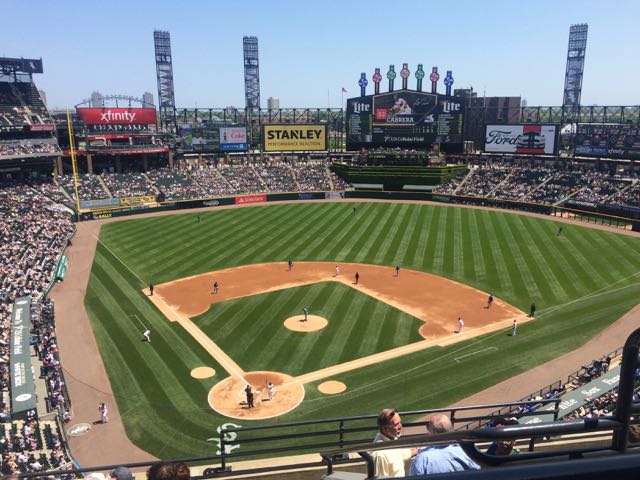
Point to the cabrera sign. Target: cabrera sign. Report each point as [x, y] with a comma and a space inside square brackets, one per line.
[290, 138]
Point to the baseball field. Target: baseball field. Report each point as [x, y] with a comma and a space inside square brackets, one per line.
[386, 341]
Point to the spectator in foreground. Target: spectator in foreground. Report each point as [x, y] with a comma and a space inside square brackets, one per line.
[441, 458]
[503, 447]
[390, 462]
[162, 471]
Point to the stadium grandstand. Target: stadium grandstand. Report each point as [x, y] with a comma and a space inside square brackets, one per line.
[128, 304]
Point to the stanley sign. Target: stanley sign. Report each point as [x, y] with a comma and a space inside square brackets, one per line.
[291, 138]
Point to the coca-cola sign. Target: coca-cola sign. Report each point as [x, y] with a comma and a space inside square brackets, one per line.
[530, 138]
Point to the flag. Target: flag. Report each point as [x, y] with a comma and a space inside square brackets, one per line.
[344, 90]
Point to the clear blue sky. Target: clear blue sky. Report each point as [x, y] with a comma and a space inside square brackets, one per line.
[309, 48]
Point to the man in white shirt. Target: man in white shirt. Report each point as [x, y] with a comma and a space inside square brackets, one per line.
[390, 462]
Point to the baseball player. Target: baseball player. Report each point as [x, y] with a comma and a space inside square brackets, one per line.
[337, 271]
[460, 325]
[270, 390]
[305, 310]
[490, 301]
[532, 311]
[357, 277]
[397, 270]
[104, 413]
[290, 265]
[147, 335]
[514, 328]
[215, 287]
[151, 289]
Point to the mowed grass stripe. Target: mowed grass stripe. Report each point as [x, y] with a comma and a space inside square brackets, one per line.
[554, 264]
[396, 230]
[620, 265]
[400, 244]
[369, 249]
[435, 242]
[340, 235]
[550, 248]
[418, 246]
[339, 246]
[548, 285]
[582, 251]
[521, 277]
[449, 244]
[477, 255]
[496, 266]
[460, 247]
[321, 235]
[366, 233]
[291, 233]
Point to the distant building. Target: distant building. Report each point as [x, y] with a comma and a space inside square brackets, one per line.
[43, 96]
[273, 103]
[147, 98]
[97, 100]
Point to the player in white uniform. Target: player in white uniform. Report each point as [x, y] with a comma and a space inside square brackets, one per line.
[460, 325]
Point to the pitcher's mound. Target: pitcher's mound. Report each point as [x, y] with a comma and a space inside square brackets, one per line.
[313, 323]
[332, 387]
[228, 397]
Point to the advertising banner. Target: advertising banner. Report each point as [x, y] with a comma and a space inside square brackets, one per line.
[117, 116]
[613, 141]
[23, 389]
[529, 138]
[291, 138]
[244, 199]
[100, 203]
[233, 139]
[333, 195]
[126, 201]
[404, 119]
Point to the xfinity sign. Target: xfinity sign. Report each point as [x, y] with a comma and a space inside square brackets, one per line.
[117, 116]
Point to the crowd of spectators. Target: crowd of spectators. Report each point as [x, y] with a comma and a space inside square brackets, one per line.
[630, 196]
[46, 348]
[15, 149]
[559, 186]
[175, 185]
[212, 182]
[128, 184]
[312, 175]
[599, 188]
[521, 181]
[33, 232]
[484, 178]
[243, 178]
[278, 177]
[89, 186]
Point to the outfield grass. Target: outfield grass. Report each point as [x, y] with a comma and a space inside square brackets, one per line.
[581, 282]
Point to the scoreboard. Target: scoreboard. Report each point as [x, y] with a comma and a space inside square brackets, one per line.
[405, 119]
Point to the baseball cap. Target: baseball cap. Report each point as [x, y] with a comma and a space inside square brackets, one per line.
[122, 473]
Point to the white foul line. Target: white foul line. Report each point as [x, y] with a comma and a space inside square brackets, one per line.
[473, 353]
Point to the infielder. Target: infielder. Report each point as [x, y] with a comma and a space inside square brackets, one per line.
[397, 270]
[215, 287]
[337, 271]
[514, 328]
[290, 265]
[490, 301]
[460, 325]
[270, 390]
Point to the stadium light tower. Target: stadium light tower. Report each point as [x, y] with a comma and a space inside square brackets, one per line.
[164, 73]
[575, 66]
[251, 73]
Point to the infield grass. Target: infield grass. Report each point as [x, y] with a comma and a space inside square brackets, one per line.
[581, 282]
